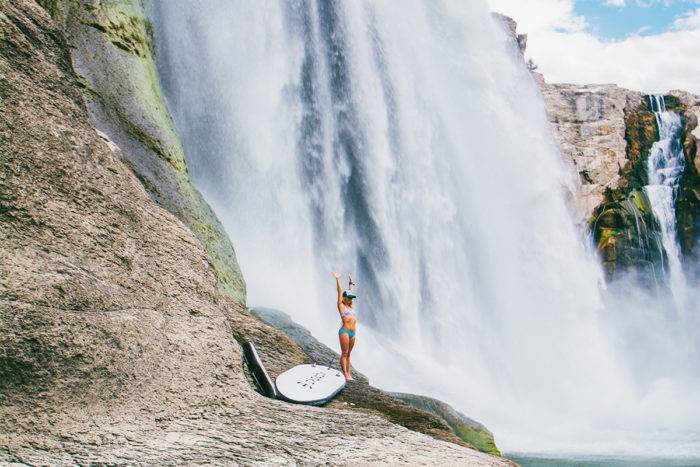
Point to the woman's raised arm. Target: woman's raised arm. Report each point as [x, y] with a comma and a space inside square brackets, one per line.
[340, 291]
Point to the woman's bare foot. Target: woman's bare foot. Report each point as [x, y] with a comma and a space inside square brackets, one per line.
[349, 377]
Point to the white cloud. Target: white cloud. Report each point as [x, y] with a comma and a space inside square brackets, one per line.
[617, 3]
[533, 15]
[566, 52]
[689, 21]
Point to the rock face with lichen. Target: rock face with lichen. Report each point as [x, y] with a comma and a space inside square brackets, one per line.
[112, 51]
[119, 340]
[605, 134]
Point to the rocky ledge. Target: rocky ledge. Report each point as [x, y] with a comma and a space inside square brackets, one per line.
[120, 338]
[419, 413]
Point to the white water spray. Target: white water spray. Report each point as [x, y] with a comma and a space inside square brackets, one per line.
[405, 142]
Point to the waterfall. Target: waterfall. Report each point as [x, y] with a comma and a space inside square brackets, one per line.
[407, 143]
[664, 169]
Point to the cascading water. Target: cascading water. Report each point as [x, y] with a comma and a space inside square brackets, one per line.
[664, 169]
[405, 142]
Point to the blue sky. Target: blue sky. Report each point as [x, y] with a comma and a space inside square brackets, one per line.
[646, 45]
[617, 19]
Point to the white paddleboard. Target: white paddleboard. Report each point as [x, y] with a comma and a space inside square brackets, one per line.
[310, 384]
[257, 369]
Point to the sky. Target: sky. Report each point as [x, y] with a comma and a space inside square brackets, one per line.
[646, 45]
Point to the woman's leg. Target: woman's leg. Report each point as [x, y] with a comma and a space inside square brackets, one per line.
[347, 360]
[344, 353]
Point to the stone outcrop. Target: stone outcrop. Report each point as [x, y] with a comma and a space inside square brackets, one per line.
[119, 343]
[418, 413]
[604, 134]
[623, 225]
[510, 27]
[589, 128]
[688, 200]
[469, 430]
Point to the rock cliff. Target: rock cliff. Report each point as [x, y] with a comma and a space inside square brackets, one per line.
[604, 134]
[120, 332]
[589, 128]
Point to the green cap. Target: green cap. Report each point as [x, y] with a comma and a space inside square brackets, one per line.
[349, 294]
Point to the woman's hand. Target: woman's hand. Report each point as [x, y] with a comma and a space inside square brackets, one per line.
[336, 275]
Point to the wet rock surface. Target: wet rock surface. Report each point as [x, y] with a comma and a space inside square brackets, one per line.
[118, 344]
[467, 429]
[688, 199]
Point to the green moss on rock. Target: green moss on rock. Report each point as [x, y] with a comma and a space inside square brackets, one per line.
[624, 227]
[687, 203]
[125, 25]
[673, 104]
[112, 50]
[468, 430]
[626, 234]
[51, 6]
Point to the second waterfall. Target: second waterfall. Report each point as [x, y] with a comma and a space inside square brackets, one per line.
[664, 169]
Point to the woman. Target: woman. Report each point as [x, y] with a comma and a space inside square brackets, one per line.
[346, 333]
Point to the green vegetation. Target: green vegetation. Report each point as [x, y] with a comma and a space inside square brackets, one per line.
[624, 226]
[469, 431]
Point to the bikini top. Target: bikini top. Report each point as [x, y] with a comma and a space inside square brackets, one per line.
[348, 312]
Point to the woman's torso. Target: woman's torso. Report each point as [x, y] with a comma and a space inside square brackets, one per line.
[348, 317]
